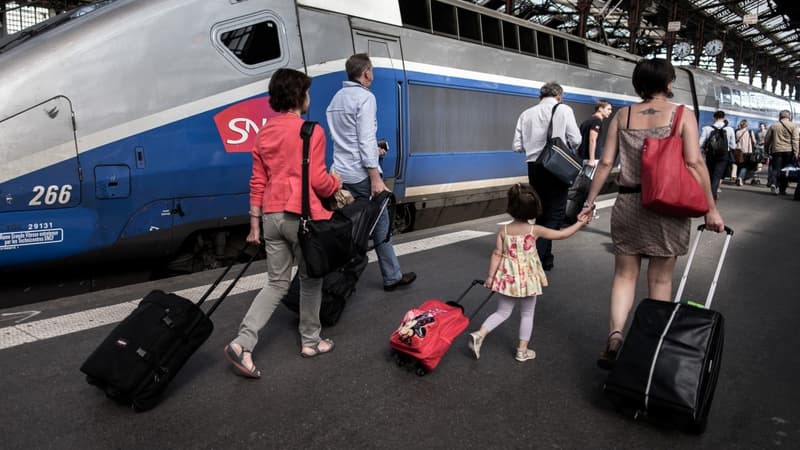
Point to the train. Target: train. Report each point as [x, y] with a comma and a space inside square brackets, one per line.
[126, 127]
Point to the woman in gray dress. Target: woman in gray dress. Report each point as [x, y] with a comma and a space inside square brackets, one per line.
[637, 232]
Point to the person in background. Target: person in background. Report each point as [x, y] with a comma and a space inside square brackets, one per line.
[782, 143]
[275, 202]
[530, 137]
[717, 141]
[745, 140]
[352, 119]
[759, 152]
[515, 271]
[636, 232]
[591, 129]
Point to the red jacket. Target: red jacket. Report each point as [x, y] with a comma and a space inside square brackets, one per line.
[276, 183]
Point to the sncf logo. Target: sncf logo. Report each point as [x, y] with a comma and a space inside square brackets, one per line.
[238, 124]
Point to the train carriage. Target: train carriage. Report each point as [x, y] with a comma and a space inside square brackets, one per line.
[126, 127]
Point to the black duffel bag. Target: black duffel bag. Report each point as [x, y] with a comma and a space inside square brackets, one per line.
[326, 244]
[557, 158]
[577, 194]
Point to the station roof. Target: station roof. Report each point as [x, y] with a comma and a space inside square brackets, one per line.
[769, 47]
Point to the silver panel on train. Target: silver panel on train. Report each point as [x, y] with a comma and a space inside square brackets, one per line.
[166, 68]
[426, 48]
[442, 119]
[338, 41]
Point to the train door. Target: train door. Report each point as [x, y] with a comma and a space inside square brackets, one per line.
[39, 167]
[388, 85]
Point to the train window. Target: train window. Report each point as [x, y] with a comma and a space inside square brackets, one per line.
[444, 18]
[445, 119]
[253, 44]
[510, 41]
[527, 41]
[726, 95]
[736, 97]
[577, 53]
[745, 100]
[491, 31]
[560, 49]
[544, 44]
[755, 103]
[469, 25]
[415, 13]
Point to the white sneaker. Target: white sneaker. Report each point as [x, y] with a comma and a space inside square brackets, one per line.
[524, 355]
[475, 342]
[773, 190]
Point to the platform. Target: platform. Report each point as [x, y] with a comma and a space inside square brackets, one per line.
[357, 397]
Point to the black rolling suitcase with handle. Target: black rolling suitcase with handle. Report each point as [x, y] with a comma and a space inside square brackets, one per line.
[139, 358]
[668, 366]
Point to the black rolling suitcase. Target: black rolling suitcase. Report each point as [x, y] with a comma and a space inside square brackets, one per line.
[668, 366]
[139, 358]
[337, 287]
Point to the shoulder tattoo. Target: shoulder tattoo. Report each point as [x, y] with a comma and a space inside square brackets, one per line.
[649, 111]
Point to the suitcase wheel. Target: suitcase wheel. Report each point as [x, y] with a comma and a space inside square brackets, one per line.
[421, 372]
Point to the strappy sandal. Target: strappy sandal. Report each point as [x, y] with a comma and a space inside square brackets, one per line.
[237, 363]
[316, 350]
[609, 355]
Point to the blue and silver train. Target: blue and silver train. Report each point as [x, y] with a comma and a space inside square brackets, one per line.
[126, 126]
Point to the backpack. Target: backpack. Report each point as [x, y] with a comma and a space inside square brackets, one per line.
[717, 143]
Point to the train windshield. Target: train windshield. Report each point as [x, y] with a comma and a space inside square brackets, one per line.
[18, 38]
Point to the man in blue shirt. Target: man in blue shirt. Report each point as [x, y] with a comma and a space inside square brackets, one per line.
[356, 156]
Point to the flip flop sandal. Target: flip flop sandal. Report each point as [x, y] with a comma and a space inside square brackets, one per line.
[237, 364]
[316, 351]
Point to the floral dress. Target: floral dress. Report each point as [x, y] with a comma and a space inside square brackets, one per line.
[520, 273]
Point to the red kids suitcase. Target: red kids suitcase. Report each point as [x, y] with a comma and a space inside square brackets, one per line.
[426, 332]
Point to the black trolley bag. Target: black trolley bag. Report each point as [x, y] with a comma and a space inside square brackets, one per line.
[668, 366]
[145, 351]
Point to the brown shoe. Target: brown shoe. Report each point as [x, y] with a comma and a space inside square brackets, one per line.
[407, 279]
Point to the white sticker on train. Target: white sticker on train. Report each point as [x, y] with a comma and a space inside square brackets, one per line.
[12, 240]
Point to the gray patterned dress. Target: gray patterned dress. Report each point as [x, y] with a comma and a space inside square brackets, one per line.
[635, 230]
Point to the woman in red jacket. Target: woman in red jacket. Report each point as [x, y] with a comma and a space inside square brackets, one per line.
[275, 203]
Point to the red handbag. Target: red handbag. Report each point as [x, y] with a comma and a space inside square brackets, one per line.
[668, 187]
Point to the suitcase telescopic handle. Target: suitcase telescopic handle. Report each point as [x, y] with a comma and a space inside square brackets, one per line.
[701, 228]
[466, 291]
[233, 283]
[214, 285]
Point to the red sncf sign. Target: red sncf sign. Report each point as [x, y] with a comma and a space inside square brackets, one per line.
[238, 124]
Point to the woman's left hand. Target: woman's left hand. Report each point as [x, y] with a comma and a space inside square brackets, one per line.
[254, 237]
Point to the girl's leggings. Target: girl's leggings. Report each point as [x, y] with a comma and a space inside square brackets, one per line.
[505, 305]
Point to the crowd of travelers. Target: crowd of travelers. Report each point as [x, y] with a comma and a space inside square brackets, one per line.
[523, 250]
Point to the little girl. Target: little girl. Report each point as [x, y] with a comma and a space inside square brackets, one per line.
[515, 271]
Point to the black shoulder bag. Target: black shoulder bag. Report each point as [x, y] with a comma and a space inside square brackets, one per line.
[557, 158]
[326, 244]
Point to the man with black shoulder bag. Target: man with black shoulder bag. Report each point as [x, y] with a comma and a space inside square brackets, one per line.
[539, 127]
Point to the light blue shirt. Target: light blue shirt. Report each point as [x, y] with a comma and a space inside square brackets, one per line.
[706, 133]
[352, 121]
